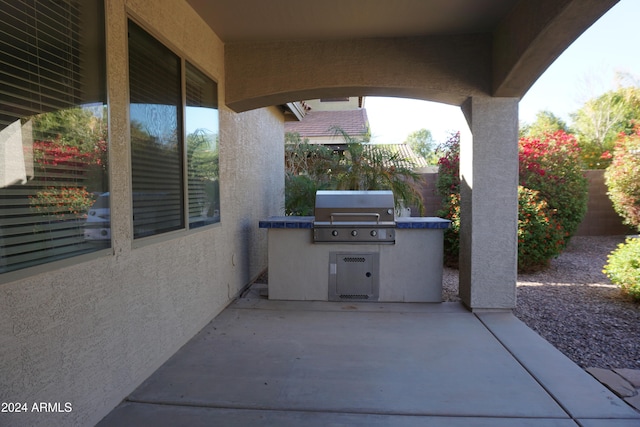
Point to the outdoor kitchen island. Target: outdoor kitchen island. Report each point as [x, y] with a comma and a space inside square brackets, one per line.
[397, 261]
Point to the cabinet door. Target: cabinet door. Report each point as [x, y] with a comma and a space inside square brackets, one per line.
[353, 276]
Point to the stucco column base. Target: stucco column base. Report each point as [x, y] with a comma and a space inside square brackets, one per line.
[489, 205]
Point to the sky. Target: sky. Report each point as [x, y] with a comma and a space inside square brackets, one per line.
[585, 70]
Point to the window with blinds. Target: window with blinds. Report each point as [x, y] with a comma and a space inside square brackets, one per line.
[156, 135]
[162, 161]
[201, 122]
[53, 131]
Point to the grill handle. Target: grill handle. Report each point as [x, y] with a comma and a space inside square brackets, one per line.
[355, 214]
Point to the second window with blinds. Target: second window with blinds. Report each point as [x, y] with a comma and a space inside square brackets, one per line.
[173, 146]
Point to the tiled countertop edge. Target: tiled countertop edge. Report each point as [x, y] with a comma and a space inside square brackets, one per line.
[401, 223]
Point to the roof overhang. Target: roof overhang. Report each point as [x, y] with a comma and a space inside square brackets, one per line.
[281, 51]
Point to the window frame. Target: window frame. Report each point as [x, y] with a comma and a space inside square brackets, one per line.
[183, 60]
[185, 115]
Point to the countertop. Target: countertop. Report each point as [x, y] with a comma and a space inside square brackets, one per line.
[422, 222]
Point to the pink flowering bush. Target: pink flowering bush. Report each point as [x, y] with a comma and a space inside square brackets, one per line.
[62, 203]
[63, 172]
[448, 186]
[552, 197]
[623, 178]
[552, 166]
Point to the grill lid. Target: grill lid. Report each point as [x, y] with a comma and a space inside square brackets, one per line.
[353, 206]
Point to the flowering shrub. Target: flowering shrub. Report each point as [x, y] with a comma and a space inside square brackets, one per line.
[62, 202]
[594, 157]
[552, 197]
[63, 171]
[551, 165]
[623, 178]
[54, 153]
[449, 166]
[448, 186]
[540, 235]
[623, 267]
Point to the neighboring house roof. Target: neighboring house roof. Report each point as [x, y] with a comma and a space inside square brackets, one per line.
[406, 156]
[321, 123]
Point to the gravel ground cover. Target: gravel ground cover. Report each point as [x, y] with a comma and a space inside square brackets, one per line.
[575, 307]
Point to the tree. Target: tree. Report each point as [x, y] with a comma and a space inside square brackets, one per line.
[203, 171]
[546, 122]
[202, 155]
[601, 119]
[72, 127]
[361, 166]
[302, 158]
[422, 143]
[365, 166]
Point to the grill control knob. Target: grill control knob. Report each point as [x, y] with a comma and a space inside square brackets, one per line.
[389, 211]
[334, 233]
[374, 233]
[354, 233]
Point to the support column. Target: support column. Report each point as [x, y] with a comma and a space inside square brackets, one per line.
[489, 205]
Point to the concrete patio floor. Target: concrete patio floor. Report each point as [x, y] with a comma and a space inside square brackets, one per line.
[276, 363]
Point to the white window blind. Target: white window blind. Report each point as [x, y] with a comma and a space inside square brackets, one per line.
[53, 139]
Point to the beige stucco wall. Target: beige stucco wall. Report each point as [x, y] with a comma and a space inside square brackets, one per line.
[89, 330]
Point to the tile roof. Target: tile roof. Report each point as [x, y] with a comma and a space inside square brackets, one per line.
[406, 156]
[320, 123]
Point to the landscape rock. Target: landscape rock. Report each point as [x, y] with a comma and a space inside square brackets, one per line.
[574, 306]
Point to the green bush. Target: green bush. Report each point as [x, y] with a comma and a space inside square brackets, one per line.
[622, 178]
[308, 169]
[540, 235]
[299, 194]
[451, 211]
[552, 197]
[623, 267]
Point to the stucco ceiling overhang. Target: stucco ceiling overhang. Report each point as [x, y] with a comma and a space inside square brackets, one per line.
[278, 51]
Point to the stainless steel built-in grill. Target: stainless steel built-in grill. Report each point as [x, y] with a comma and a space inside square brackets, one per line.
[363, 253]
[354, 217]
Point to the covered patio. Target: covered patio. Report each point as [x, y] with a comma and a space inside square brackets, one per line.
[86, 331]
[273, 363]
[481, 56]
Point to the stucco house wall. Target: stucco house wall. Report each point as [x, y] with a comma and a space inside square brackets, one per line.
[88, 330]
